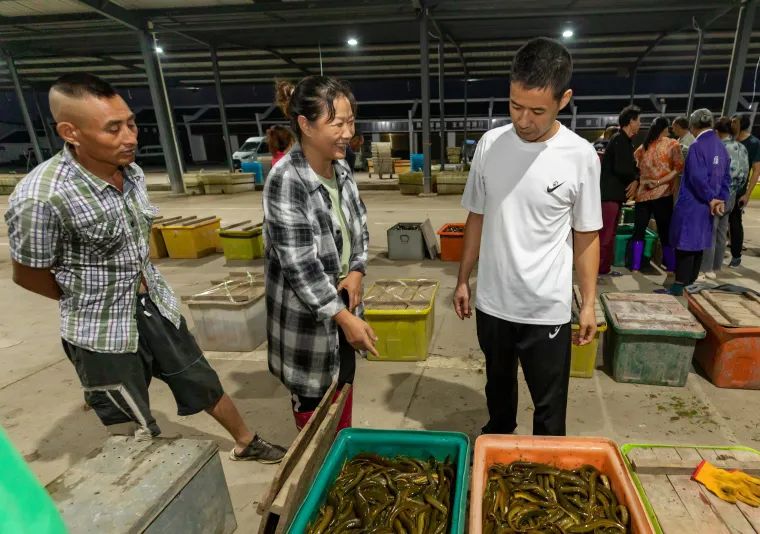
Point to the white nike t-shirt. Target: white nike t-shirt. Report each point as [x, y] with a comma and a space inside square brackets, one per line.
[532, 195]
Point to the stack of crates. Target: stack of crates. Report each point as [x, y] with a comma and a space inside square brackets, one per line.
[401, 312]
[381, 159]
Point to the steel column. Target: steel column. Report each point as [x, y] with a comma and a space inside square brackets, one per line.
[411, 133]
[11, 66]
[222, 111]
[464, 139]
[163, 112]
[49, 133]
[441, 97]
[739, 56]
[695, 74]
[425, 88]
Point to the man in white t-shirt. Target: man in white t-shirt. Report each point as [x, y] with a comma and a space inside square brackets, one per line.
[534, 203]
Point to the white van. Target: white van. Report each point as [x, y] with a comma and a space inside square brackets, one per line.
[254, 149]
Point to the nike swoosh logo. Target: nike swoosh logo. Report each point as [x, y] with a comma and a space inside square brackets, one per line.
[556, 332]
[550, 189]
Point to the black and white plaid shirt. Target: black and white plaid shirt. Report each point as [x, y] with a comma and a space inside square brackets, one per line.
[95, 239]
[303, 251]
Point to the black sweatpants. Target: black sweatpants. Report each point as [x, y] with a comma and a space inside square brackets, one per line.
[662, 209]
[687, 266]
[544, 354]
[736, 227]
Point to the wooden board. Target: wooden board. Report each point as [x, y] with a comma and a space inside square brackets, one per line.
[683, 505]
[428, 235]
[296, 449]
[650, 312]
[303, 468]
[731, 310]
[683, 460]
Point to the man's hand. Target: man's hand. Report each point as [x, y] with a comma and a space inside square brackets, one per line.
[462, 298]
[743, 201]
[632, 189]
[353, 285]
[358, 333]
[587, 324]
[717, 207]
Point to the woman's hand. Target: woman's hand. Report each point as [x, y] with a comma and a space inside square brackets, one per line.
[358, 333]
[353, 286]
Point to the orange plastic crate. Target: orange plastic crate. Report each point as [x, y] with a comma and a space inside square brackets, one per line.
[562, 452]
[452, 241]
[729, 356]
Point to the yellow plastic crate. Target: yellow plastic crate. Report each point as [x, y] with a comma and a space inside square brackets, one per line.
[402, 314]
[156, 243]
[195, 238]
[242, 241]
[583, 359]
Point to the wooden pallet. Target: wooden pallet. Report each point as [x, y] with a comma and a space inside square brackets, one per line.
[731, 310]
[301, 463]
[685, 506]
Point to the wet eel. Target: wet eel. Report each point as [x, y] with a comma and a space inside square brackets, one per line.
[530, 497]
[379, 495]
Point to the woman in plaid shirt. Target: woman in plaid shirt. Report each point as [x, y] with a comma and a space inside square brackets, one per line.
[316, 248]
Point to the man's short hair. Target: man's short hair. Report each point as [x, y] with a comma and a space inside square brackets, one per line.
[701, 119]
[681, 122]
[743, 119]
[81, 84]
[629, 113]
[543, 63]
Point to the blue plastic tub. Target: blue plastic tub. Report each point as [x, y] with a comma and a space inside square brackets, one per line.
[256, 168]
[417, 444]
[416, 162]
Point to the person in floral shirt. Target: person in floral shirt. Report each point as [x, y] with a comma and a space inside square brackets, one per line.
[660, 162]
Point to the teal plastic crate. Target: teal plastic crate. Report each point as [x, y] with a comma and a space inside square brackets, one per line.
[415, 443]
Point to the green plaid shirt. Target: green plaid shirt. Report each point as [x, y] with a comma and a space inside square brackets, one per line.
[95, 240]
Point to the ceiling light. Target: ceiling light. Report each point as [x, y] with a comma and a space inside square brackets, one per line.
[159, 50]
[567, 34]
[352, 41]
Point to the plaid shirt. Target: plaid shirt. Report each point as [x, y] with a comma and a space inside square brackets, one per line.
[303, 252]
[95, 240]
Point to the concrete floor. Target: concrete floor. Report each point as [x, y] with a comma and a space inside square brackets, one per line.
[42, 409]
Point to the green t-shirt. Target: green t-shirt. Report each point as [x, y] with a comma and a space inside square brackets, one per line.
[332, 189]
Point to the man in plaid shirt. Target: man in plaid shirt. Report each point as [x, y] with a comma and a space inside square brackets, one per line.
[79, 226]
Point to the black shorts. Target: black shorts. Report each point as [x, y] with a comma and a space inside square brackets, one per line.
[116, 385]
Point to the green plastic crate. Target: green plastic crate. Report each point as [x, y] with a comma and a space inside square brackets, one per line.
[415, 443]
[242, 244]
[623, 236]
[655, 350]
[625, 449]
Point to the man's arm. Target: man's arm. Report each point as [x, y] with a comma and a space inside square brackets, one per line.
[473, 231]
[40, 281]
[586, 256]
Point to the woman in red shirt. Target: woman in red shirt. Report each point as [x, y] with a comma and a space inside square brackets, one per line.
[280, 140]
[660, 162]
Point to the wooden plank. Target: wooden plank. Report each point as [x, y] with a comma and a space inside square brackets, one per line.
[695, 503]
[428, 235]
[690, 456]
[642, 457]
[296, 449]
[752, 515]
[718, 306]
[298, 483]
[729, 513]
[673, 516]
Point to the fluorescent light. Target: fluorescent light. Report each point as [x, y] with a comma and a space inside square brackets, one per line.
[567, 34]
[352, 41]
[159, 50]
